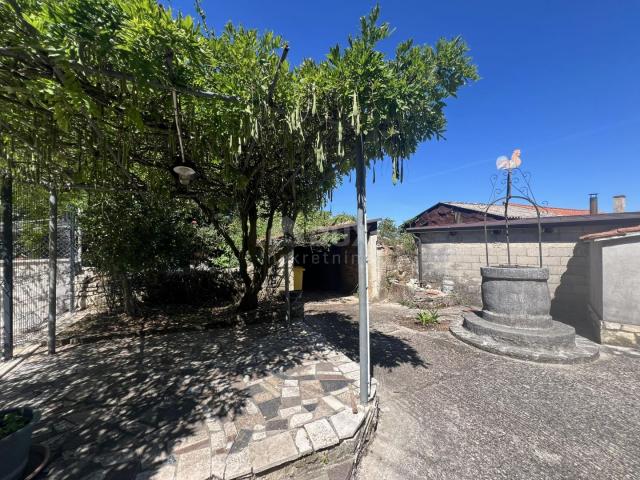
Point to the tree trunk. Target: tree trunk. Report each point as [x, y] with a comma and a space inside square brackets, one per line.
[128, 301]
[249, 300]
[253, 262]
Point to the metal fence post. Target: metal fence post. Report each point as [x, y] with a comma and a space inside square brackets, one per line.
[72, 261]
[7, 266]
[287, 229]
[53, 268]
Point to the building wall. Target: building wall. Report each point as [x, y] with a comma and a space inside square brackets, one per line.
[615, 289]
[458, 258]
[372, 270]
[349, 269]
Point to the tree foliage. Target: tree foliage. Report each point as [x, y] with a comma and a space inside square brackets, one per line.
[87, 88]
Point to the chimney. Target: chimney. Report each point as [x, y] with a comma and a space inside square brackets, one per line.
[619, 203]
[593, 203]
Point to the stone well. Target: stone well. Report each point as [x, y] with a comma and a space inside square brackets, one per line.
[515, 319]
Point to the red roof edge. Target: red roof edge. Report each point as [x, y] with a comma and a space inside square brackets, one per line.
[616, 232]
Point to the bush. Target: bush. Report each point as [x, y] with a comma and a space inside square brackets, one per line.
[393, 236]
[193, 287]
[133, 239]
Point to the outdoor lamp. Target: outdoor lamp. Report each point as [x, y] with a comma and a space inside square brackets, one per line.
[185, 174]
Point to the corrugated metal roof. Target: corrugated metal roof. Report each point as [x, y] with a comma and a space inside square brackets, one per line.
[517, 210]
[621, 219]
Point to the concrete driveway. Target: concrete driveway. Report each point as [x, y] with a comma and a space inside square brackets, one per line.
[449, 411]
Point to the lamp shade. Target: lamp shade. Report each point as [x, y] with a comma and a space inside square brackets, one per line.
[184, 173]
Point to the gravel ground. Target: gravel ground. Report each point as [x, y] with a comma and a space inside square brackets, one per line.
[450, 411]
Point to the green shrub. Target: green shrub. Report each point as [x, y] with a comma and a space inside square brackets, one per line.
[132, 239]
[429, 317]
[191, 287]
[391, 235]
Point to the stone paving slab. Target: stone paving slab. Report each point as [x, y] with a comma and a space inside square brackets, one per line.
[188, 406]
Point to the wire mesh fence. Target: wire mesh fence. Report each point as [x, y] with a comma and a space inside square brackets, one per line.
[31, 263]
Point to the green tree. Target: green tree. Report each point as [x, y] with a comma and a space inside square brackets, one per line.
[88, 97]
[131, 236]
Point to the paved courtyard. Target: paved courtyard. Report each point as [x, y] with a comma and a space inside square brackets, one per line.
[450, 411]
[228, 402]
[189, 406]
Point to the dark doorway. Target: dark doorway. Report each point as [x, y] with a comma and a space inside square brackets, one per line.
[328, 269]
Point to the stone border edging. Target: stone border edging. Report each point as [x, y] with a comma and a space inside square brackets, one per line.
[348, 453]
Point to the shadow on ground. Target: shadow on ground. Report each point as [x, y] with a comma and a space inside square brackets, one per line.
[342, 333]
[114, 408]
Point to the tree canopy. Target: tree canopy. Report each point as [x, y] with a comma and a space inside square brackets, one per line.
[114, 94]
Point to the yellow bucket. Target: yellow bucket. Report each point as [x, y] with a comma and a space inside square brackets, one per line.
[297, 277]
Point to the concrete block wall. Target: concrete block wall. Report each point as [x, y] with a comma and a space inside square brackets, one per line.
[458, 258]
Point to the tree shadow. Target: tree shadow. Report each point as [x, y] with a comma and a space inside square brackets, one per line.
[342, 332]
[120, 407]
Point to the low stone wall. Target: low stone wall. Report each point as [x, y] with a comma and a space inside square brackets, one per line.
[339, 462]
[90, 290]
[622, 334]
[397, 274]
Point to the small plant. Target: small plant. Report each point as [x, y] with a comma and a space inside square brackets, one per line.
[11, 423]
[429, 317]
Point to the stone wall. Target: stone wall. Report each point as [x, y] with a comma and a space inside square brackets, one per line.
[457, 257]
[396, 270]
[90, 290]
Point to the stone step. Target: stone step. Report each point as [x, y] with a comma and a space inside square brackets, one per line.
[582, 351]
[558, 336]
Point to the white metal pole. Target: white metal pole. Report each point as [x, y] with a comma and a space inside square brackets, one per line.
[363, 287]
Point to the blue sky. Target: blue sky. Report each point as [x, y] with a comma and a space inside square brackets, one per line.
[560, 81]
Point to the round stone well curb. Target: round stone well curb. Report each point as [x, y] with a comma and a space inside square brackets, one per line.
[584, 350]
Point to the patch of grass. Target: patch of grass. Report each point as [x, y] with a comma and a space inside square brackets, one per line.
[407, 303]
[429, 317]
